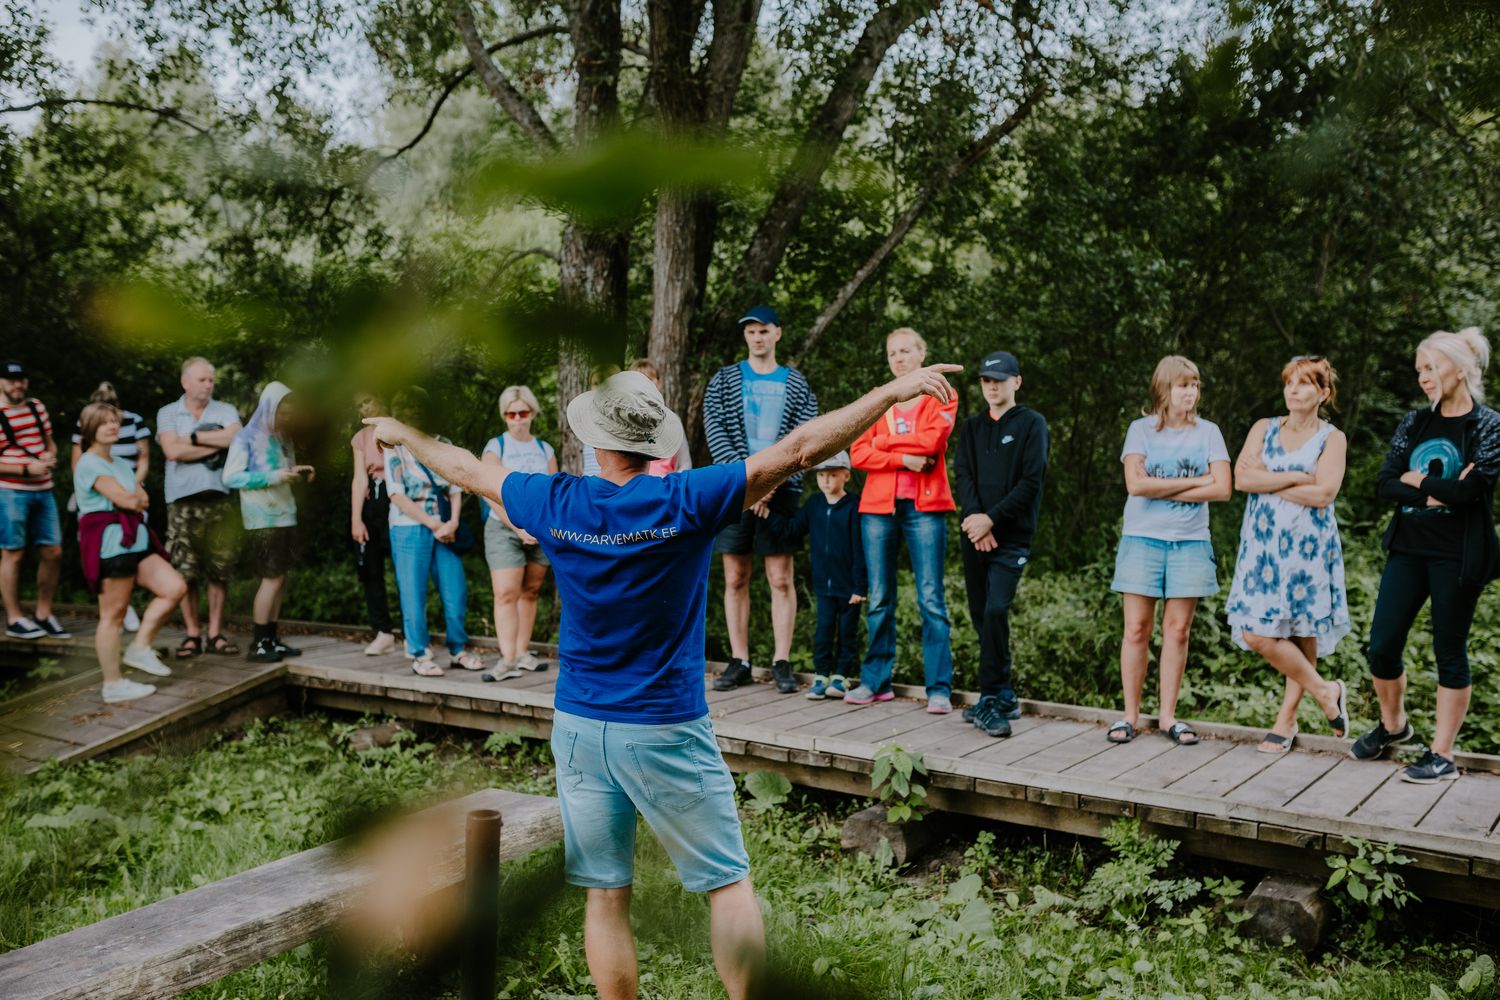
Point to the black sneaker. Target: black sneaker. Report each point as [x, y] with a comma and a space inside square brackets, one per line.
[1008, 705]
[970, 712]
[54, 628]
[283, 650]
[24, 628]
[988, 718]
[264, 651]
[1430, 769]
[1377, 741]
[781, 670]
[736, 674]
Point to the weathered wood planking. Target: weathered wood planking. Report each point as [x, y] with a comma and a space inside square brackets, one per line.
[175, 945]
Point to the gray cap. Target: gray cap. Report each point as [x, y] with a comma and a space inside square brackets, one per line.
[839, 461]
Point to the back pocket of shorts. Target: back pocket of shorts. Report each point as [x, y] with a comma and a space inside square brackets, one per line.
[669, 773]
[564, 746]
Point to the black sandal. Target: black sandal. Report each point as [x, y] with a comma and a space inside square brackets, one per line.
[1340, 722]
[1182, 734]
[189, 647]
[1125, 729]
[220, 646]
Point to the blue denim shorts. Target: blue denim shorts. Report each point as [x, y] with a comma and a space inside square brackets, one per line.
[1154, 568]
[28, 517]
[672, 775]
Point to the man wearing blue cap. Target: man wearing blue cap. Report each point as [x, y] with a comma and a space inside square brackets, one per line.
[747, 408]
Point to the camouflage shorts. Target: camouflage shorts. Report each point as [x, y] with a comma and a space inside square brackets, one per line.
[202, 537]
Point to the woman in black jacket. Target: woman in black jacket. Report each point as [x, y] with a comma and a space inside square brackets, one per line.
[1440, 472]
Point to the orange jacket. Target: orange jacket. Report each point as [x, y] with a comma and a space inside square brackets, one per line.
[878, 451]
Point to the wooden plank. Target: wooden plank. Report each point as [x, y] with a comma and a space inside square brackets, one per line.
[1471, 808]
[194, 938]
[1037, 734]
[1118, 758]
[1161, 772]
[1284, 780]
[890, 728]
[1342, 788]
[1225, 772]
[1399, 804]
[838, 725]
[1088, 744]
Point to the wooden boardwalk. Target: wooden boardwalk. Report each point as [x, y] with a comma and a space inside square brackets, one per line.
[1220, 798]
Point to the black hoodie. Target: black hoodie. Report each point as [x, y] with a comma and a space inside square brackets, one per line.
[999, 467]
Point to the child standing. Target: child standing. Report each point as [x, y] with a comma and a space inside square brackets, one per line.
[831, 519]
[1000, 465]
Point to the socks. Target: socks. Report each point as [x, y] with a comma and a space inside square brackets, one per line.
[267, 632]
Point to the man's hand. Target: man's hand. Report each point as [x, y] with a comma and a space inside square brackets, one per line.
[856, 598]
[976, 526]
[389, 431]
[930, 381]
[359, 532]
[988, 543]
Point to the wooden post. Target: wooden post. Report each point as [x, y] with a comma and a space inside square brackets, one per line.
[481, 904]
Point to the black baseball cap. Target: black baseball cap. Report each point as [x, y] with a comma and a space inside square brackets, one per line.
[1000, 365]
[761, 314]
[13, 370]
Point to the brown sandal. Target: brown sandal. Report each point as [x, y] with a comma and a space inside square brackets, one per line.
[189, 647]
[220, 646]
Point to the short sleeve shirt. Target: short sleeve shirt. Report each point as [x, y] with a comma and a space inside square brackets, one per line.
[520, 456]
[185, 479]
[631, 564]
[92, 468]
[764, 398]
[1180, 453]
[133, 431]
[30, 432]
[405, 476]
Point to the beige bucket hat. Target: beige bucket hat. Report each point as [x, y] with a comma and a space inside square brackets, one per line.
[626, 413]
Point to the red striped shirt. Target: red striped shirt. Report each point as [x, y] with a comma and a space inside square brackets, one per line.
[33, 444]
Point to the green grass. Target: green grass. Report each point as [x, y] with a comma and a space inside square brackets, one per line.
[1031, 916]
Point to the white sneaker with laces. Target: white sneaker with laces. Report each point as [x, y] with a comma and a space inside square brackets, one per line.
[383, 643]
[145, 658]
[132, 620]
[126, 690]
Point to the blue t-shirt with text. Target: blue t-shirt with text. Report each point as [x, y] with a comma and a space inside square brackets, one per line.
[765, 404]
[631, 564]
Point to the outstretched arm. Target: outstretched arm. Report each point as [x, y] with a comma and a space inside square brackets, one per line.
[453, 463]
[817, 439]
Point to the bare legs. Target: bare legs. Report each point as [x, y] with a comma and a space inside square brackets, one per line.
[190, 621]
[49, 567]
[1296, 659]
[1135, 653]
[779, 574]
[267, 607]
[516, 592]
[737, 604]
[114, 595]
[783, 603]
[167, 586]
[736, 932]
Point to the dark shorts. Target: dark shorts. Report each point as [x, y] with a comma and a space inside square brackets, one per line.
[751, 534]
[201, 537]
[122, 567]
[271, 551]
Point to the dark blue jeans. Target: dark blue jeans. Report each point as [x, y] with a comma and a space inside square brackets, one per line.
[836, 641]
[926, 537]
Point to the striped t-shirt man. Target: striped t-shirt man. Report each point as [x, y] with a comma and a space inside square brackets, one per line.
[23, 437]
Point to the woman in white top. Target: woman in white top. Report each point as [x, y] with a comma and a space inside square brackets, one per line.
[1175, 464]
[517, 565]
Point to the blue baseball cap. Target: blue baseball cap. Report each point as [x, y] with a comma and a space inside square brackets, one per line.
[761, 314]
[1001, 365]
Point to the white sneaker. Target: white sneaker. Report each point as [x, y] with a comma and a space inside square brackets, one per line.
[383, 643]
[145, 658]
[126, 690]
[132, 620]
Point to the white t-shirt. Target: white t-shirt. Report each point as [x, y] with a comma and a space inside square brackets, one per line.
[1172, 454]
[518, 456]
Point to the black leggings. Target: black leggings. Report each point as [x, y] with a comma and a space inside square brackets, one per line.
[1405, 586]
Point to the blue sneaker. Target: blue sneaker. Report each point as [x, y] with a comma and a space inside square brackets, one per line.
[819, 689]
[1007, 705]
[836, 687]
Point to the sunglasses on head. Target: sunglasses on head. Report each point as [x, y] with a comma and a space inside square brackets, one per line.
[1309, 357]
[517, 414]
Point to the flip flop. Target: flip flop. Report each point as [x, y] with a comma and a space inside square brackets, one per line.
[1126, 730]
[1182, 734]
[1279, 744]
[1340, 723]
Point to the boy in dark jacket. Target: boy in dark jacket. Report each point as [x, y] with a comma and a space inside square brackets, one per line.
[999, 469]
[831, 518]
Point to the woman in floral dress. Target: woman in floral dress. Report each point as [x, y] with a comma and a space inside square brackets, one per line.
[1287, 601]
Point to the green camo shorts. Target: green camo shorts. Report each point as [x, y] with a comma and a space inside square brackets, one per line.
[202, 537]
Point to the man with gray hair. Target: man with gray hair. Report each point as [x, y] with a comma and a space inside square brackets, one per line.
[630, 728]
[195, 432]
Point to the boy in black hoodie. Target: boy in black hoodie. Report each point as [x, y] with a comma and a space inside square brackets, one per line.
[999, 469]
[831, 518]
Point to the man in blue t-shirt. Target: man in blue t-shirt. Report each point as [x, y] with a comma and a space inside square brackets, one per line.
[747, 408]
[630, 730]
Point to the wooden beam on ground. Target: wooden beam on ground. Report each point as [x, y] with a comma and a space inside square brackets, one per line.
[170, 947]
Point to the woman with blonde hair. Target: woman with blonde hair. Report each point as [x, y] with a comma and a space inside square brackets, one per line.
[1287, 600]
[517, 564]
[1175, 465]
[118, 550]
[1440, 473]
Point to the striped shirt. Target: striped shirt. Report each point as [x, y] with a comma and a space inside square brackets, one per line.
[133, 431]
[724, 415]
[33, 445]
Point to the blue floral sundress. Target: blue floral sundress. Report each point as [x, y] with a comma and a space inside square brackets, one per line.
[1289, 575]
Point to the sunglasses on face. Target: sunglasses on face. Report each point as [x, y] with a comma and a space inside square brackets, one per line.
[517, 414]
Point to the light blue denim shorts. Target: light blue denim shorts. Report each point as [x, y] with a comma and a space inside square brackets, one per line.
[672, 775]
[28, 517]
[1154, 568]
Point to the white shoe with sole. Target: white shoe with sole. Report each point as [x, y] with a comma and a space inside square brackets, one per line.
[126, 690]
[145, 658]
[132, 620]
[383, 643]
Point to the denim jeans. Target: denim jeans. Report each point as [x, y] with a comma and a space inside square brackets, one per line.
[836, 638]
[926, 536]
[420, 558]
[991, 579]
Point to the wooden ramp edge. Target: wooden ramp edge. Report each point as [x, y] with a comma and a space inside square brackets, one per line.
[177, 944]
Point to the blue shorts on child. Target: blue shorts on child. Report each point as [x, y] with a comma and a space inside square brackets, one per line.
[1152, 567]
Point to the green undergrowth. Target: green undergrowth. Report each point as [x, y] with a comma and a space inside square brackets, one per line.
[994, 914]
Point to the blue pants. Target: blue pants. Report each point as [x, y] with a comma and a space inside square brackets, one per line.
[836, 640]
[926, 536]
[420, 558]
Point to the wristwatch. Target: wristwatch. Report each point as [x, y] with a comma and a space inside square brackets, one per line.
[193, 437]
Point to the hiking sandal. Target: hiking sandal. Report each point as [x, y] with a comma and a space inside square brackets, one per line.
[220, 646]
[189, 647]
